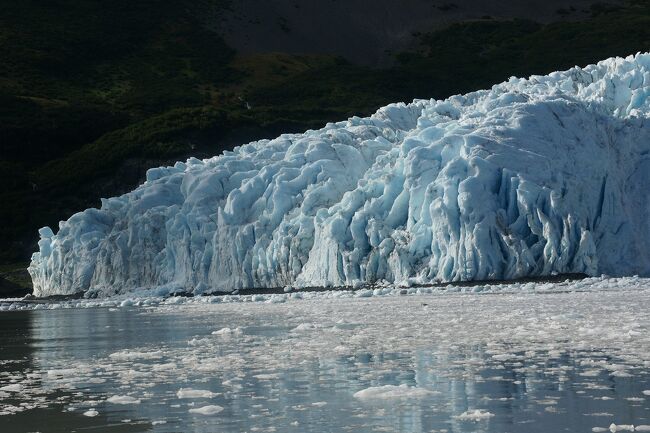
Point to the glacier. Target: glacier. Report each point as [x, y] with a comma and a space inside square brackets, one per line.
[533, 177]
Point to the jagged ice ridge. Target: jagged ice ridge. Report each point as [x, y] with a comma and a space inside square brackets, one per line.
[535, 176]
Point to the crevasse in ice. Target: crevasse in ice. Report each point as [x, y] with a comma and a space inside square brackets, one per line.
[535, 176]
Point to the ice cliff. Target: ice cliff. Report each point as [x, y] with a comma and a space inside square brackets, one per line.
[535, 176]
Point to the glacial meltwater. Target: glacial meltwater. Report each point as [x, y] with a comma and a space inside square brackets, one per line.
[528, 358]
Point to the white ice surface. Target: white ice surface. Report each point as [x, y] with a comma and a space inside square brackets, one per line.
[535, 176]
[16, 387]
[474, 415]
[212, 409]
[123, 399]
[392, 392]
[194, 393]
[621, 427]
[150, 298]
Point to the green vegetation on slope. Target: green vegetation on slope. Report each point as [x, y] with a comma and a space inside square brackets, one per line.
[92, 93]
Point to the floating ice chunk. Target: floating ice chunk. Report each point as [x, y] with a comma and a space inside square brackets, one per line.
[391, 392]
[62, 372]
[195, 393]
[14, 387]
[123, 399]
[91, 413]
[505, 357]
[212, 409]
[642, 427]
[228, 332]
[305, 327]
[267, 376]
[132, 355]
[474, 415]
[621, 427]
[165, 366]
[198, 342]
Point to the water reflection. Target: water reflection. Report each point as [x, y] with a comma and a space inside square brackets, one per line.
[37, 406]
[279, 372]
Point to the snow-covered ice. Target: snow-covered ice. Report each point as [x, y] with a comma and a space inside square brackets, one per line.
[534, 176]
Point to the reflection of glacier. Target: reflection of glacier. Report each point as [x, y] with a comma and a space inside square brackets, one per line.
[549, 174]
[513, 356]
[153, 363]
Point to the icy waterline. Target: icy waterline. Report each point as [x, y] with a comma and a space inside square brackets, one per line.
[535, 176]
[152, 297]
[530, 359]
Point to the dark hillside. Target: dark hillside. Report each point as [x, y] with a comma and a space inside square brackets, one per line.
[369, 32]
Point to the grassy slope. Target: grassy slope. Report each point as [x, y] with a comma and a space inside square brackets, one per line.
[92, 93]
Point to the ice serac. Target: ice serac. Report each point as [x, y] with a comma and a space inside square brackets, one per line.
[535, 176]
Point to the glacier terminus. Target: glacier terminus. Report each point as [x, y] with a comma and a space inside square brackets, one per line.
[533, 177]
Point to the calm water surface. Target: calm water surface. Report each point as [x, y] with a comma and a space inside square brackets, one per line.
[269, 368]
